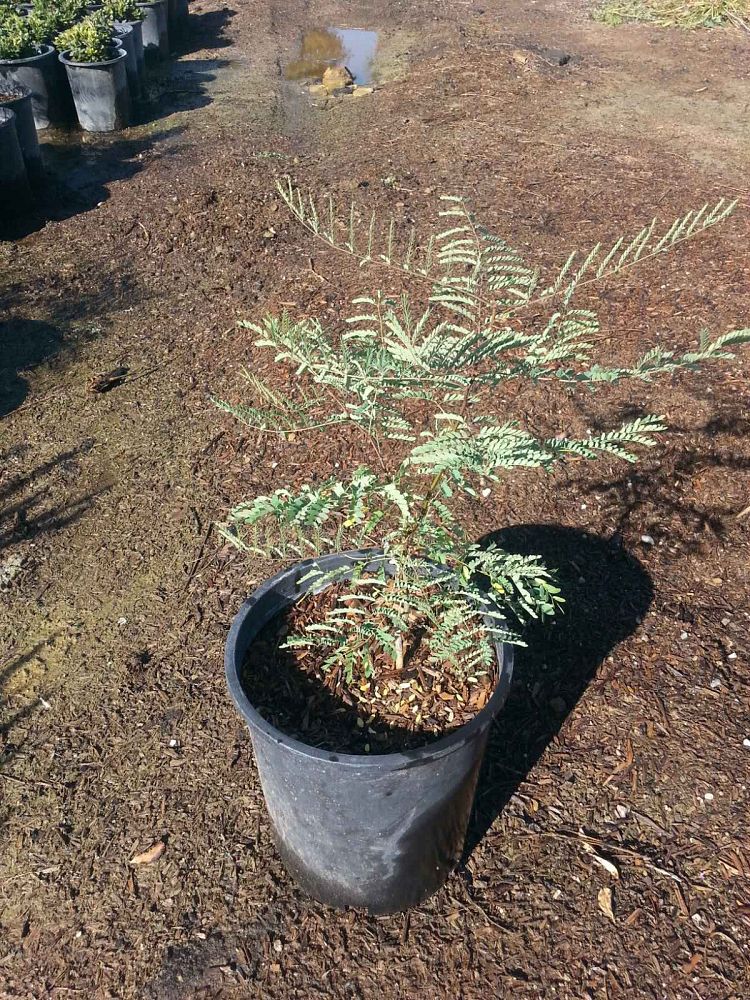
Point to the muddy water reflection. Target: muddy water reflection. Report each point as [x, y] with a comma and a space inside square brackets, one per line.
[324, 47]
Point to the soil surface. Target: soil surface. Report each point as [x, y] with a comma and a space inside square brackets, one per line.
[394, 709]
[608, 854]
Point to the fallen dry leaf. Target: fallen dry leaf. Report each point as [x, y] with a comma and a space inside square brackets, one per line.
[607, 865]
[604, 899]
[152, 854]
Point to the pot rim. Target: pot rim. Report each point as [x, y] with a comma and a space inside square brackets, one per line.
[121, 54]
[44, 48]
[504, 653]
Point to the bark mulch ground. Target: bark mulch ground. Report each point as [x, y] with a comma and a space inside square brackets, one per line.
[608, 853]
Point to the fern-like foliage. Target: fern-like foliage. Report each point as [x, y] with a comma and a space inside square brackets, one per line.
[418, 375]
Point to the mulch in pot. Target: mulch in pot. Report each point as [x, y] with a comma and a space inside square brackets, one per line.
[393, 711]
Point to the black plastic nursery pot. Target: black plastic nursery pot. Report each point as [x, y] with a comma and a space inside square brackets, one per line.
[15, 194]
[18, 100]
[100, 91]
[177, 16]
[44, 76]
[155, 29]
[126, 37]
[381, 832]
[137, 44]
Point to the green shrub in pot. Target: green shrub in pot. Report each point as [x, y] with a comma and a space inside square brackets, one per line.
[16, 38]
[419, 379]
[123, 10]
[88, 41]
[48, 18]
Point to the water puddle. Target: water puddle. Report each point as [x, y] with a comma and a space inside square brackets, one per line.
[324, 47]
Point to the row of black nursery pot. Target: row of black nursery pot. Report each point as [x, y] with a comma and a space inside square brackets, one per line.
[100, 94]
[20, 156]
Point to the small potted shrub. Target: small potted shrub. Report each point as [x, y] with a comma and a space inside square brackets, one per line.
[370, 671]
[155, 29]
[127, 13]
[96, 71]
[26, 61]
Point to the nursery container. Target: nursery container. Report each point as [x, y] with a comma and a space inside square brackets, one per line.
[381, 832]
[177, 17]
[18, 100]
[155, 29]
[100, 91]
[126, 37]
[137, 42]
[44, 76]
[15, 193]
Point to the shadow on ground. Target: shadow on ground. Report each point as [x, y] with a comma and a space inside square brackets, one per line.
[9, 718]
[34, 503]
[205, 31]
[657, 492]
[78, 171]
[177, 87]
[25, 345]
[607, 594]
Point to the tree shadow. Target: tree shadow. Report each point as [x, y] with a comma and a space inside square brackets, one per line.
[639, 495]
[30, 504]
[9, 719]
[25, 344]
[204, 31]
[607, 595]
[78, 171]
[175, 87]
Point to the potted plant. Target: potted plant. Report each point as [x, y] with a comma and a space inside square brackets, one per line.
[15, 194]
[96, 72]
[370, 672]
[26, 61]
[128, 13]
[18, 100]
[155, 29]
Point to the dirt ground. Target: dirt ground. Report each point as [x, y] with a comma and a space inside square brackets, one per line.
[629, 719]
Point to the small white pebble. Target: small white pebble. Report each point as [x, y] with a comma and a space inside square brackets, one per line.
[79, 934]
[277, 946]
[621, 810]
[725, 621]
[486, 491]
[173, 743]
[709, 796]
[122, 621]
[746, 743]
[274, 465]
[732, 656]
[584, 506]
[683, 635]
[647, 539]
[715, 683]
